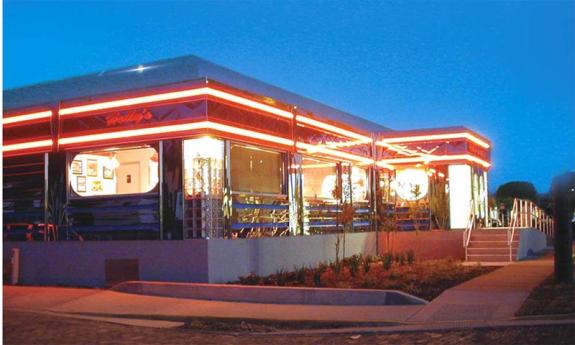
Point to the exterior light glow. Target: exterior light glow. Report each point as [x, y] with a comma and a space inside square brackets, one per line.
[175, 128]
[334, 129]
[204, 91]
[426, 159]
[27, 145]
[430, 137]
[26, 117]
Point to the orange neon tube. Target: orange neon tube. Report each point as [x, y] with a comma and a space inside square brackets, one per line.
[204, 91]
[27, 145]
[175, 128]
[27, 117]
[466, 135]
[432, 158]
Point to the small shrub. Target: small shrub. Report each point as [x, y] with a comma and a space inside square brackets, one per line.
[353, 264]
[367, 264]
[300, 274]
[410, 257]
[251, 279]
[317, 274]
[281, 277]
[336, 266]
[387, 261]
[402, 260]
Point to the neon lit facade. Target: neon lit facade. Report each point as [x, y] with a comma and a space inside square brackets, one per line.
[176, 152]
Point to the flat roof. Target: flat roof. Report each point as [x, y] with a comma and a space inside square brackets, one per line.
[165, 72]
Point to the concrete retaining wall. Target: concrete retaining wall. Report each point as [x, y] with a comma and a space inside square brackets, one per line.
[227, 260]
[209, 261]
[531, 242]
[271, 294]
[434, 244]
[83, 263]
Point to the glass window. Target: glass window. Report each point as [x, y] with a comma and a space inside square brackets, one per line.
[319, 179]
[359, 184]
[114, 171]
[256, 170]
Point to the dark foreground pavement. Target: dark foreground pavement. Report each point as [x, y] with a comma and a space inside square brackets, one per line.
[33, 328]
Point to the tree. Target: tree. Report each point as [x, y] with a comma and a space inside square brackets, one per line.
[563, 190]
[517, 189]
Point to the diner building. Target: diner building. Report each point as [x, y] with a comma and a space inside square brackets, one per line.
[184, 150]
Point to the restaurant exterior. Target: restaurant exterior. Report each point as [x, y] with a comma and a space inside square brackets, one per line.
[184, 149]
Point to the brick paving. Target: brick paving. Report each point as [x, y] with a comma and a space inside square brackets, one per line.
[25, 328]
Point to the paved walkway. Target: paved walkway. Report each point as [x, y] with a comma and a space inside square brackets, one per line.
[492, 297]
[111, 303]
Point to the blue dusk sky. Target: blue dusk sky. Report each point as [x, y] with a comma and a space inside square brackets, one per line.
[504, 69]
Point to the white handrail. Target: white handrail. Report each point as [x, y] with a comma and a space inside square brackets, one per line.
[469, 228]
[526, 214]
[511, 230]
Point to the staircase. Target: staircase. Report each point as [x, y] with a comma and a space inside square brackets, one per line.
[490, 245]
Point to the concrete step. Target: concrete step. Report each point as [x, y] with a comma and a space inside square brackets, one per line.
[498, 231]
[488, 237]
[489, 251]
[489, 258]
[493, 244]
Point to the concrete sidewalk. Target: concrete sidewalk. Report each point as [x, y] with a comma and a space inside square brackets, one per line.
[111, 303]
[494, 296]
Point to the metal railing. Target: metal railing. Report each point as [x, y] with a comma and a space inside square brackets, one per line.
[526, 214]
[471, 223]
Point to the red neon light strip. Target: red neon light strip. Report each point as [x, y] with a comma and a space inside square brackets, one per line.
[26, 117]
[436, 137]
[323, 125]
[27, 145]
[174, 128]
[204, 91]
[424, 159]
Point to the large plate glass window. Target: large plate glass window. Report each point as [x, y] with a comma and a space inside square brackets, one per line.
[256, 170]
[258, 192]
[321, 195]
[114, 171]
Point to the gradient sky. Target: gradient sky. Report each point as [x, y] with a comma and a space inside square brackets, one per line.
[505, 69]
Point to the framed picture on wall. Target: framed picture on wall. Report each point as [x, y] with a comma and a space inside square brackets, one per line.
[107, 173]
[92, 168]
[81, 184]
[77, 167]
[96, 186]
